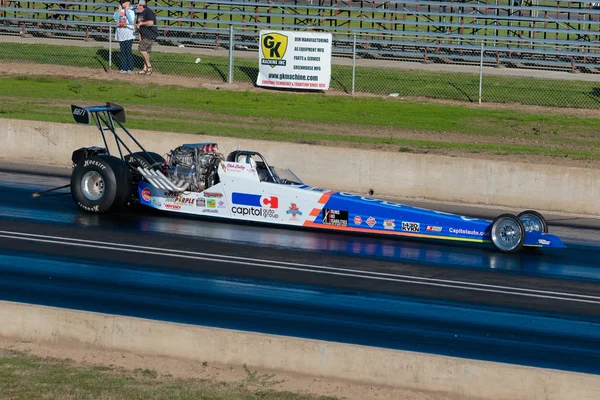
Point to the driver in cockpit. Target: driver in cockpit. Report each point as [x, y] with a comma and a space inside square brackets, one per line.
[263, 174]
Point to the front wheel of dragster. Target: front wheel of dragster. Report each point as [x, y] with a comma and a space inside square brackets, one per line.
[507, 233]
[101, 183]
[533, 221]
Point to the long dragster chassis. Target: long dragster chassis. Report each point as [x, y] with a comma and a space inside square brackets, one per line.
[196, 179]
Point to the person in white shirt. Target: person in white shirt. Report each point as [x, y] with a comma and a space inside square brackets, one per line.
[124, 34]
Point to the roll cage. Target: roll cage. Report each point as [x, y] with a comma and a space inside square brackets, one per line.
[263, 168]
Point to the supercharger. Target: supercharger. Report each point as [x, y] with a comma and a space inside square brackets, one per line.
[193, 166]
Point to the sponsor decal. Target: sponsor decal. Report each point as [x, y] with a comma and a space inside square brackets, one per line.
[254, 212]
[294, 211]
[543, 241]
[357, 220]
[95, 163]
[371, 222]
[173, 206]
[270, 202]
[187, 201]
[411, 226]
[335, 217]
[147, 194]
[223, 167]
[235, 167]
[469, 232]
[156, 203]
[274, 46]
[211, 203]
[221, 204]
[389, 224]
[255, 200]
[436, 229]
[200, 202]
[179, 198]
[213, 194]
[209, 210]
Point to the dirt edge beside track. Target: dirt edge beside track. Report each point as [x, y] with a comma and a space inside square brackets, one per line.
[185, 369]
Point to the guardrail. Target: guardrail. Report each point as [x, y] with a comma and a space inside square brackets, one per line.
[558, 55]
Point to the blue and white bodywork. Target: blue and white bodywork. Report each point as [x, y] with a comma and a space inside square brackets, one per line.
[242, 193]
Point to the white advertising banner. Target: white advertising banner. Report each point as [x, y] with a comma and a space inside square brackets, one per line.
[298, 60]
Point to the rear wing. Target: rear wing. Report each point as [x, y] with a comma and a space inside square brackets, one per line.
[108, 118]
[83, 115]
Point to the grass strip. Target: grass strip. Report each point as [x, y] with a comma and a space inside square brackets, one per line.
[209, 128]
[382, 112]
[374, 122]
[411, 83]
[25, 377]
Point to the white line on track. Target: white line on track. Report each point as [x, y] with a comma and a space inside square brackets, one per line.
[317, 269]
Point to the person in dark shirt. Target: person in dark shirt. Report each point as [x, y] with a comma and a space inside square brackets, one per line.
[147, 33]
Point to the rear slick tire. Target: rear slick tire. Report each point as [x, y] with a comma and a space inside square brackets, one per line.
[507, 233]
[101, 184]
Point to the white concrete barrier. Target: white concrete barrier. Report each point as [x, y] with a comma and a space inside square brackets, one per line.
[440, 178]
[463, 378]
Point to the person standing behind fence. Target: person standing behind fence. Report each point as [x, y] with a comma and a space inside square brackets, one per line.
[124, 34]
[148, 33]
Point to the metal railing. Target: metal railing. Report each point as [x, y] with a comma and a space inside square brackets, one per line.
[527, 35]
[467, 73]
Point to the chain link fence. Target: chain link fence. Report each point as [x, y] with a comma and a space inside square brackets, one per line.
[478, 70]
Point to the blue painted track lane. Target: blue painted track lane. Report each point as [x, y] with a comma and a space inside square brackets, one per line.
[304, 311]
[540, 309]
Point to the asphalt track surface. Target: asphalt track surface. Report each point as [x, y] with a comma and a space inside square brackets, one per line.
[537, 308]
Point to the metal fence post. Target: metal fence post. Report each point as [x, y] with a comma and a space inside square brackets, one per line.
[353, 63]
[481, 72]
[109, 47]
[230, 74]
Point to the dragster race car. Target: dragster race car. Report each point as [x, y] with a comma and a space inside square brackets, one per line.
[196, 179]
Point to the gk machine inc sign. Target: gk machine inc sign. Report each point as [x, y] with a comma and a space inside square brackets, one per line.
[299, 60]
